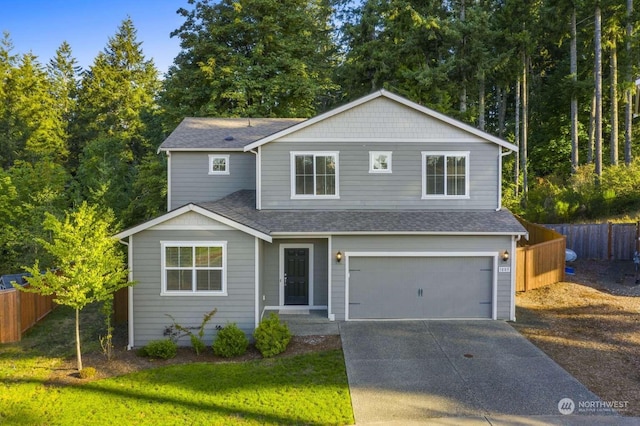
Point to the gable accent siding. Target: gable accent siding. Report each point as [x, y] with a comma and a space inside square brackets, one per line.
[149, 308]
[400, 189]
[381, 120]
[190, 181]
[190, 221]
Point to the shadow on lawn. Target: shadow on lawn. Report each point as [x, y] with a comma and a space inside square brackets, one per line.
[130, 397]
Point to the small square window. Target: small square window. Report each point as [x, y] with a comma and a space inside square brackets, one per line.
[379, 162]
[218, 164]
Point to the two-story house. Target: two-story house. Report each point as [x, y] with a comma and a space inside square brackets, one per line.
[381, 209]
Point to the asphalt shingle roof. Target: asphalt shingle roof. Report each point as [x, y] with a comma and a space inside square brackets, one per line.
[240, 207]
[223, 133]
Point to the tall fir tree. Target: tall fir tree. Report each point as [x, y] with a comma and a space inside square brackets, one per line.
[251, 58]
[115, 105]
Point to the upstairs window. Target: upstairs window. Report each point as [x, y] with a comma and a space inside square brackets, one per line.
[445, 175]
[314, 175]
[197, 268]
[218, 164]
[379, 162]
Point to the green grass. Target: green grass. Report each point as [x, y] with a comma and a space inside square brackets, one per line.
[305, 389]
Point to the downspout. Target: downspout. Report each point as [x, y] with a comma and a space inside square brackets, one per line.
[514, 265]
[129, 290]
[258, 177]
[502, 154]
[168, 181]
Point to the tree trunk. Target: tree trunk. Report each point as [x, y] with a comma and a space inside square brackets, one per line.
[628, 94]
[574, 97]
[598, 91]
[502, 110]
[78, 353]
[592, 128]
[481, 103]
[525, 125]
[463, 90]
[614, 102]
[516, 166]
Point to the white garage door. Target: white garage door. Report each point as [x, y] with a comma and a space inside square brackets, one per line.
[420, 287]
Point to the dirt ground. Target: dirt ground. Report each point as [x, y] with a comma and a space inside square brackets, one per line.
[126, 362]
[590, 325]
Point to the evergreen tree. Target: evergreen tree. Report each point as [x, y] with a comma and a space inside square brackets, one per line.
[63, 72]
[251, 58]
[116, 103]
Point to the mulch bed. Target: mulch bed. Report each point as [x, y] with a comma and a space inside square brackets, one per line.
[125, 362]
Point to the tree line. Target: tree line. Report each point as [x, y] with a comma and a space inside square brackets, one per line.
[555, 77]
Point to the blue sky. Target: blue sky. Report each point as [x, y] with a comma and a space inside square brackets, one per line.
[40, 26]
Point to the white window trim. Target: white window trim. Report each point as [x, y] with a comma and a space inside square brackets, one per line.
[373, 154]
[212, 158]
[445, 196]
[193, 292]
[292, 167]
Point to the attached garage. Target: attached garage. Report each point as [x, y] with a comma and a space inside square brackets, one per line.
[421, 286]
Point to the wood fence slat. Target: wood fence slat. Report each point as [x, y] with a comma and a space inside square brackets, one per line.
[541, 262]
[600, 240]
[19, 311]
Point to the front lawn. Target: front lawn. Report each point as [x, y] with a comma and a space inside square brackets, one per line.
[304, 389]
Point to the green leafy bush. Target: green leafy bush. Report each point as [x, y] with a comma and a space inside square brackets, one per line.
[87, 373]
[230, 342]
[163, 349]
[272, 337]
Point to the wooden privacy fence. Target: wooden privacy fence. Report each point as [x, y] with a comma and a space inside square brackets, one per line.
[19, 311]
[540, 259]
[608, 241]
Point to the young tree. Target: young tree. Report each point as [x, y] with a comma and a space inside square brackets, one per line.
[88, 264]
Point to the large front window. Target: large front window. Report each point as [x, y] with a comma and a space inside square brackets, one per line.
[314, 175]
[194, 268]
[445, 174]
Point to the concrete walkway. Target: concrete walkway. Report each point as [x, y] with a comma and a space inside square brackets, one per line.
[462, 373]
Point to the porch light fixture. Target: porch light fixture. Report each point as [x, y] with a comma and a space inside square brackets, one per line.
[339, 257]
[505, 256]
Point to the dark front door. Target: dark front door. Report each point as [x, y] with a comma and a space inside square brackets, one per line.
[296, 276]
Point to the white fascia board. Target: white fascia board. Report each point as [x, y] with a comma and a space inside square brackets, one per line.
[452, 233]
[200, 150]
[196, 209]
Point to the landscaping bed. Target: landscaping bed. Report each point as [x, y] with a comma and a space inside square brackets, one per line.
[591, 332]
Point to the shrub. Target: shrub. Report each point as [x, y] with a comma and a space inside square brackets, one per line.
[163, 349]
[272, 337]
[230, 342]
[176, 331]
[87, 373]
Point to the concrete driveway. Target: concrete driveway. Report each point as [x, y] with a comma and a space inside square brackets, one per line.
[457, 372]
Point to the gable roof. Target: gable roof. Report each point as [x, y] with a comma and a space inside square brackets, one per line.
[197, 209]
[233, 134]
[385, 94]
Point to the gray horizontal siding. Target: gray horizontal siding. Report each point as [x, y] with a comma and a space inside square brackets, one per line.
[150, 309]
[191, 182]
[421, 244]
[360, 189]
